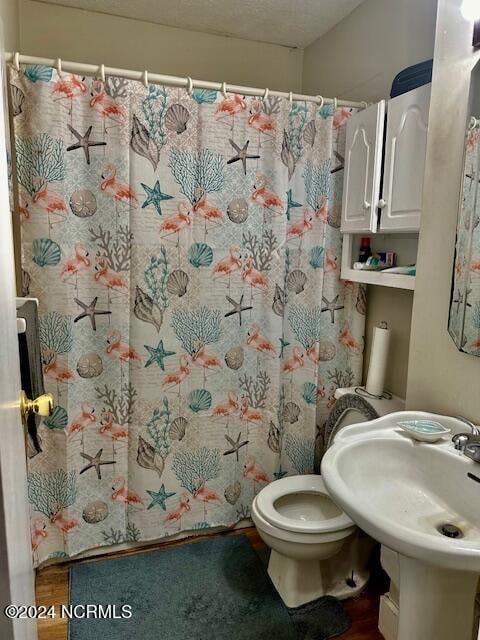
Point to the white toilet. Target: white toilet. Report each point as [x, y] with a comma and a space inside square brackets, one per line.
[315, 548]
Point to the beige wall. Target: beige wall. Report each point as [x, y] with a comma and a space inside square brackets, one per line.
[395, 307]
[440, 378]
[85, 36]
[9, 16]
[360, 56]
[358, 59]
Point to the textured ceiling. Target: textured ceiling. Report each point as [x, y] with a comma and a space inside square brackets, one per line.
[294, 23]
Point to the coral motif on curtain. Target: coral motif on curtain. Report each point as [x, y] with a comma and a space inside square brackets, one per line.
[185, 250]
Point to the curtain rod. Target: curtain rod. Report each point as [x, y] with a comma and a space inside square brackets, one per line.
[174, 81]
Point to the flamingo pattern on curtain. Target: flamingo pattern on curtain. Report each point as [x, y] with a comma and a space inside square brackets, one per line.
[185, 250]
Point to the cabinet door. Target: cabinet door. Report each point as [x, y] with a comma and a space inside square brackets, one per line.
[405, 146]
[363, 160]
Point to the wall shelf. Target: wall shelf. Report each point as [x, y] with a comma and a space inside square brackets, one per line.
[392, 165]
[405, 247]
[395, 280]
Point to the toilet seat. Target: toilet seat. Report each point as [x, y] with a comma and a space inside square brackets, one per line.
[310, 484]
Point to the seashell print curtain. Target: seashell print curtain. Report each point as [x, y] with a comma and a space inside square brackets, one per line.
[464, 318]
[185, 250]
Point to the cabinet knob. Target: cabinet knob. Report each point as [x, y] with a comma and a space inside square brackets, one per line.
[382, 203]
[366, 205]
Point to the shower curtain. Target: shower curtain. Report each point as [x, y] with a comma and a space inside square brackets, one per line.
[464, 318]
[185, 250]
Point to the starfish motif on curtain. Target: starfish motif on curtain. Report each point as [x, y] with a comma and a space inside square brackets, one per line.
[237, 308]
[89, 311]
[157, 354]
[462, 298]
[159, 497]
[236, 445]
[155, 196]
[95, 462]
[283, 345]
[291, 204]
[278, 475]
[241, 155]
[341, 162]
[331, 306]
[84, 142]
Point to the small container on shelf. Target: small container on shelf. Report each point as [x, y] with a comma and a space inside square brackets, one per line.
[389, 258]
[365, 250]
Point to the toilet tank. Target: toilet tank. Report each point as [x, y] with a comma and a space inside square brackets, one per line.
[381, 405]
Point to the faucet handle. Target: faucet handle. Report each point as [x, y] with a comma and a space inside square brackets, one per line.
[460, 440]
[463, 440]
[472, 451]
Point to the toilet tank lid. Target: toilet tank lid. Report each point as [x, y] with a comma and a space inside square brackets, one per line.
[382, 406]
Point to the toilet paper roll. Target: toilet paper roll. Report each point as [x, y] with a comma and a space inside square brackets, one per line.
[378, 360]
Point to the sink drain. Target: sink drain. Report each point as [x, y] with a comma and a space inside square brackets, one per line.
[449, 530]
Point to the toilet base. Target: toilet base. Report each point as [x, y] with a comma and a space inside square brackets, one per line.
[301, 581]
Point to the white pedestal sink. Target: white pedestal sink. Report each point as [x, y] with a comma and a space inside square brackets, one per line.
[401, 492]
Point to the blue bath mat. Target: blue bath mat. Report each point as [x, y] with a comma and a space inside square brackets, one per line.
[214, 589]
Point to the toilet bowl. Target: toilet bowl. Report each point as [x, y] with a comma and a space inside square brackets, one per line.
[307, 534]
[316, 548]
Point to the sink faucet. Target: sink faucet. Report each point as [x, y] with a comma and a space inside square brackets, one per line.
[473, 427]
[468, 443]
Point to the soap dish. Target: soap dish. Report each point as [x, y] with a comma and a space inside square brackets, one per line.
[424, 430]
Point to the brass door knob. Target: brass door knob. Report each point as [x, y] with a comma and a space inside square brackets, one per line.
[42, 406]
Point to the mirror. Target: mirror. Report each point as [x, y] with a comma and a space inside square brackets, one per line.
[464, 319]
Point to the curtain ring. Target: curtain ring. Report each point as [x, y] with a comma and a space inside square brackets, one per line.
[265, 94]
[365, 104]
[335, 104]
[58, 66]
[145, 78]
[189, 85]
[321, 99]
[102, 72]
[224, 89]
[16, 61]
[290, 97]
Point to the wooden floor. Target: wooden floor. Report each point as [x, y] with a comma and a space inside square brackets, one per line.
[52, 589]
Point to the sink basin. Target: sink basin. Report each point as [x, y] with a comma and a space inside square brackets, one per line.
[400, 491]
[407, 495]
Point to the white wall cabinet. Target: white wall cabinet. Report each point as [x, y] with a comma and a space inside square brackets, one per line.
[404, 164]
[363, 165]
[383, 183]
[403, 153]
